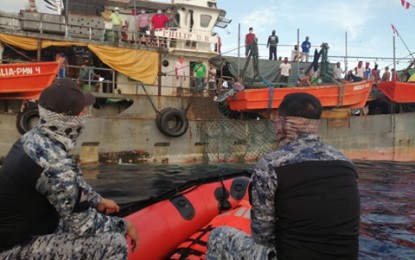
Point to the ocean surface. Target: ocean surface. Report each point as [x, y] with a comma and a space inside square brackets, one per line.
[387, 191]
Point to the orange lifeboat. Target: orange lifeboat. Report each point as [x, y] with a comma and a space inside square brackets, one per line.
[26, 81]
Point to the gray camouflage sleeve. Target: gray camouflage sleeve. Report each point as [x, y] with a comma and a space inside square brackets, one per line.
[59, 184]
[92, 196]
[264, 185]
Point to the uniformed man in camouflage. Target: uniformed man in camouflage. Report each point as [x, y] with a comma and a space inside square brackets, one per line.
[304, 196]
[47, 210]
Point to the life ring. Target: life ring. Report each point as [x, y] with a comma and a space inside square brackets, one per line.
[172, 122]
[27, 119]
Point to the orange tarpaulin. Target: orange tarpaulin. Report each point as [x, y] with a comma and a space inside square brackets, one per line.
[139, 65]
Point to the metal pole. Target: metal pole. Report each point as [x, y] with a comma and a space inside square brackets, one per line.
[394, 56]
[298, 45]
[346, 64]
[239, 47]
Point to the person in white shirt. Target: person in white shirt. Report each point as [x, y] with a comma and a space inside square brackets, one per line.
[285, 71]
[180, 72]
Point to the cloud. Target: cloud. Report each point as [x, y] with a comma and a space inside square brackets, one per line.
[260, 19]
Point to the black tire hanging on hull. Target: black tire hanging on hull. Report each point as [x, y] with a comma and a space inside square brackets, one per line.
[172, 122]
[27, 119]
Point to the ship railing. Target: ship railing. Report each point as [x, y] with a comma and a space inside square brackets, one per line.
[56, 25]
[92, 28]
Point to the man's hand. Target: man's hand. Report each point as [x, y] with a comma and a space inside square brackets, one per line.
[132, 233]
[107, 206]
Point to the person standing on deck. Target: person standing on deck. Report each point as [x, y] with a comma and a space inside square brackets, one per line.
[87, 76]
[272, 45]
[386, 76]
[285, 71]
[200, 73]
[304, 196]
[117, 22]
[159, 20]
[180, 72]
[249, 40]
[367, 71]
[394, 74]
[212, 76]
[143, 21]
[47, 210]
[305, 48]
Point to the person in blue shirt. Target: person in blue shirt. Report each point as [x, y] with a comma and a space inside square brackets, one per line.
[305, 47]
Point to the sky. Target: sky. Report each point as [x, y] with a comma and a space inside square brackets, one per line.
[364, 24]
[367, 24]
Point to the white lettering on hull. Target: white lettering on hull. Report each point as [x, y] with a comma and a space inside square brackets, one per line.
[19, 71]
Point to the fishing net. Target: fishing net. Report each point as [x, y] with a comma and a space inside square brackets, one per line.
[238, 140]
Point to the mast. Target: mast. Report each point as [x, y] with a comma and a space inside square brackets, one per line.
[346, 64]
[394, 56]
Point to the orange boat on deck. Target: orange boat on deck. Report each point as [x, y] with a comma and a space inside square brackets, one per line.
[25, 81]
[177, 224]
[346, 95]
[399, 92]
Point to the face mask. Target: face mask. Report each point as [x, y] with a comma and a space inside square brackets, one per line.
[142, 11]
[159, 11]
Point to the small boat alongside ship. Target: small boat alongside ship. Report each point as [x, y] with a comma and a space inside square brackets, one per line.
[25, 81]
[341, 95]
[398, 92]
[144, 114]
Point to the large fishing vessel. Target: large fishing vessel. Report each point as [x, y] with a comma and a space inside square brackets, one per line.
[144, 112]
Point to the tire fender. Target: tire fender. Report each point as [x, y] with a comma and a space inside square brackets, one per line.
[26, 119]
[172, 122]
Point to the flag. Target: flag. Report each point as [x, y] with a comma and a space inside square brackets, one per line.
[395, 31]
[405, 4]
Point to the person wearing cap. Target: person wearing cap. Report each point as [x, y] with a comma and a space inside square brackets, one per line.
[117, 22]
[47, 210]
[304, 196]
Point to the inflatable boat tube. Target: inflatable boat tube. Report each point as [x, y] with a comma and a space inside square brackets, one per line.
[163, 226]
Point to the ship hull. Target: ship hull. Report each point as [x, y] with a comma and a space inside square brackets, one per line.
[133, 136]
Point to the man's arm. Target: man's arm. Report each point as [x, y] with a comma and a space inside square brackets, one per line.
[263, 189]
[59, 183]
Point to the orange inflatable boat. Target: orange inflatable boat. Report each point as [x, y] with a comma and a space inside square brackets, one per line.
[176, 225]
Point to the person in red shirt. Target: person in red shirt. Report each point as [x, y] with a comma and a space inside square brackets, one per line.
[159, 20]
[395, 76]
[249, 39]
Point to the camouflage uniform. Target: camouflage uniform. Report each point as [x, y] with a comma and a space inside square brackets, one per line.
[230, 243]
[83, 234]
[300, 143]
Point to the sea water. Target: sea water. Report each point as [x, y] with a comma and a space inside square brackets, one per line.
[387, 191]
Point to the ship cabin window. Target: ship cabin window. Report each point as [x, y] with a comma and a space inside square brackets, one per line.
[205, 20]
